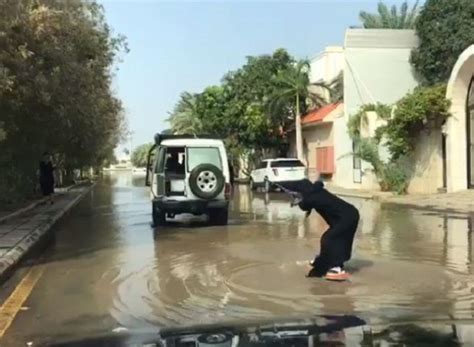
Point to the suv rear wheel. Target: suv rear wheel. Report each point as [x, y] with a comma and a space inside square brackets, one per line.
[219, 216]
[158, 216]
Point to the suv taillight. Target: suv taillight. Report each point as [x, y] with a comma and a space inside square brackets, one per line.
[275, 172]
[227, 191]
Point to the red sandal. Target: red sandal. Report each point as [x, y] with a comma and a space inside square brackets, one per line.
[337, 274]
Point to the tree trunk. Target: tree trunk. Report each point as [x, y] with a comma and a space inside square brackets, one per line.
[299, 135]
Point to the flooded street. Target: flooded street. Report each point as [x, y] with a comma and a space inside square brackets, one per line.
[109, 269]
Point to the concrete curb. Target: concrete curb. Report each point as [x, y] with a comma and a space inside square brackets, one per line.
[16, 253]
[38, 202]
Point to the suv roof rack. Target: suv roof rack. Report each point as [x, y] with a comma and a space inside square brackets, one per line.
[161, 137]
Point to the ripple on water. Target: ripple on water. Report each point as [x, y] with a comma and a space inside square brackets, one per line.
[189, 290]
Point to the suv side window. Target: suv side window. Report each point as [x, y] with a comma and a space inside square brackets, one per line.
[262, 165]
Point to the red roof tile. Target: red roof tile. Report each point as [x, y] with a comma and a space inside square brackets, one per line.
[319, 114]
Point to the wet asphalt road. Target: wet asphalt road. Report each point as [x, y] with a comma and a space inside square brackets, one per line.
[108, 269]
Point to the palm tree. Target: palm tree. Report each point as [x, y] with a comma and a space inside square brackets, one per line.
[184, 118]
[336, 87]
[390, 18]
[294, 84]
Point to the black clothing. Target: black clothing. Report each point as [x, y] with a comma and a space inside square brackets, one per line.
[342, 218]
[46, 178]
[231, 173]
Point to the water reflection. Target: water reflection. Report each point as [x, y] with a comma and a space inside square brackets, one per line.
[432, 238]
[346, 330]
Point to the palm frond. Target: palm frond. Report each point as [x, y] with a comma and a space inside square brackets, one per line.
[336, 87]
[369, 20]
[390, 18]
[384, 14]
[411, 19]
[403, 15]
[317, 100]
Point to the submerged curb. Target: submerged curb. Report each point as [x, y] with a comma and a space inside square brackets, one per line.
[22, 210]
[14, 255]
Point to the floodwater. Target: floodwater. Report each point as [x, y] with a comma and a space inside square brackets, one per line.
[109, 269]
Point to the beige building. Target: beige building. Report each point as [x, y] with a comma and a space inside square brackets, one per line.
[318, 141]
[317, 126]
[377, 69]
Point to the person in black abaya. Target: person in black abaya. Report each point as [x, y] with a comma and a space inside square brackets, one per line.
[46, 176]
[336, 242]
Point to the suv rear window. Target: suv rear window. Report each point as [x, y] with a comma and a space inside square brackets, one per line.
[203, 155]
[286, 163]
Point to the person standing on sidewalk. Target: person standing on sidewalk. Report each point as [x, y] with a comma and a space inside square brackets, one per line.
[46, 176]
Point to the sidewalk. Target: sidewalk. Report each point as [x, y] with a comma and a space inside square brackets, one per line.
[21, 231]
[462, 202]
[358, 193]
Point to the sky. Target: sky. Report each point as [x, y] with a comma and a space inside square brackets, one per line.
[178, 46]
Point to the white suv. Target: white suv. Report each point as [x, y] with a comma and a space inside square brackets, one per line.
[280, 170]
[188, 175]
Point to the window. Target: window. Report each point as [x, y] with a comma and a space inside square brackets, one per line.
[262, 165]
[287, 163]
[175, 160]
[202, 155]
[160, 160]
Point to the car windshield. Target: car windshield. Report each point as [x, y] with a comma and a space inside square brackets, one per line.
[286, 163]
[203, 155]
[201, 164]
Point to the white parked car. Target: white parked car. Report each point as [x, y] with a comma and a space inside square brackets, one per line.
[280, 170]
[188, 175]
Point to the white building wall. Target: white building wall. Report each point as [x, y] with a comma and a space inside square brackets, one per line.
[327, 65]
[456, 140]
[376, 69]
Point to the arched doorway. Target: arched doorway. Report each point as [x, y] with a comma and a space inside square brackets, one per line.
[460, 127]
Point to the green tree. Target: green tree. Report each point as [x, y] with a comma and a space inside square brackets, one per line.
[55, 75]
[250, 90]
[445, 29]
[424, 109]
[238, 109]
[392, 18]
[293, 84]
[140, 155]
[211, 107]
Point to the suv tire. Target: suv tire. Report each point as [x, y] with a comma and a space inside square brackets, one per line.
[206, 181]
[219, 216]
[158, 216]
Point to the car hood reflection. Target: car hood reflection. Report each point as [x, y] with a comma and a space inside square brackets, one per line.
[344, 330]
